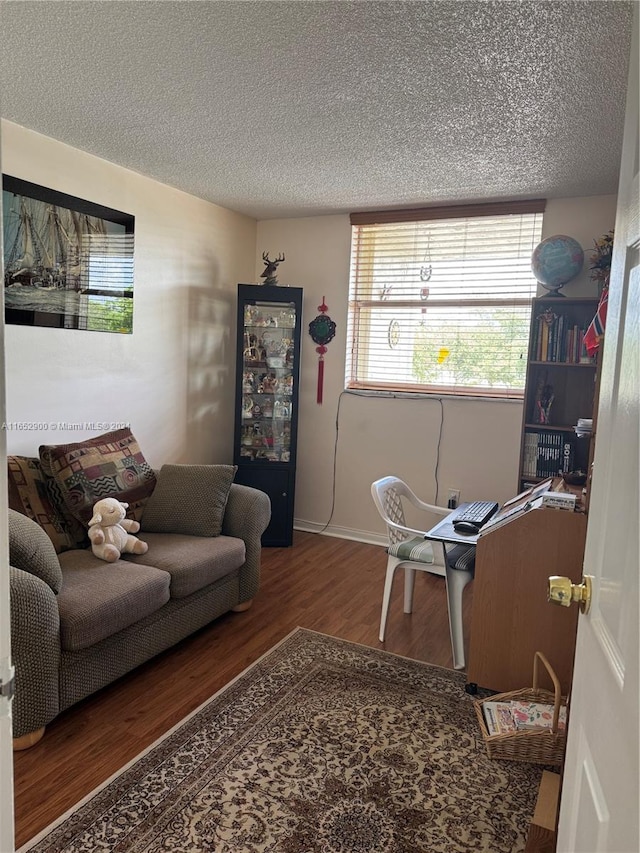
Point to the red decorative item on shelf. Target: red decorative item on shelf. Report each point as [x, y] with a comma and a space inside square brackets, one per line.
[322, 330]
[595, 332]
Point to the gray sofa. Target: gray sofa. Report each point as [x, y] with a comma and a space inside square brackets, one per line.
[78, 623]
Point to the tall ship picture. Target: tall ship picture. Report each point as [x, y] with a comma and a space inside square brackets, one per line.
[67, 262]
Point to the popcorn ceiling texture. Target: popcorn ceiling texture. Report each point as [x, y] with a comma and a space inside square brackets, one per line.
[279, 109]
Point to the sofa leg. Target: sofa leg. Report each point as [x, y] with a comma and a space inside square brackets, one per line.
[28, 740]
[240, 608]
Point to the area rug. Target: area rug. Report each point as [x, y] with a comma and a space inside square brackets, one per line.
[321, 746]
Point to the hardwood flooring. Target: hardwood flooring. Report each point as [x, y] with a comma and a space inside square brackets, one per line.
[329, 585]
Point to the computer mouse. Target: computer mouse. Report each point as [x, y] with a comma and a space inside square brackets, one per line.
[467, 527]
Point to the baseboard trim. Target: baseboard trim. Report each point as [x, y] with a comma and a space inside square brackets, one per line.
[364, 536]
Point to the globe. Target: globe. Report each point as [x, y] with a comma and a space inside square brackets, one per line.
[556, 261]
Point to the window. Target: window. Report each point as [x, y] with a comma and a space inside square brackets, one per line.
[440, 299]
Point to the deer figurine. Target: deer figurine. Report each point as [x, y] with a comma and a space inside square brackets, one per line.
[269, 274]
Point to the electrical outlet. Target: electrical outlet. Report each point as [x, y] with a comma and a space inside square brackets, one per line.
[453, 498]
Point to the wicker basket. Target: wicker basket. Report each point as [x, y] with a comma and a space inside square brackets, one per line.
[543, 746]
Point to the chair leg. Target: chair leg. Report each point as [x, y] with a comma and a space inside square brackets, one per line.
[409, 583]
[386, 598]
[456, 582]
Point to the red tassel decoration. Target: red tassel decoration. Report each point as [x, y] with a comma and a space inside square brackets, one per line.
[321, 350]
[322, 330]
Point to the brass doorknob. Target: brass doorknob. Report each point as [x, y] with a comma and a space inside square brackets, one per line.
[563, 591]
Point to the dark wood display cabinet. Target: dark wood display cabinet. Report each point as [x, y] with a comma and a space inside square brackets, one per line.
[266, 404]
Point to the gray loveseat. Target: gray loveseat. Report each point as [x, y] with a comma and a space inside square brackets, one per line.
[78, 623]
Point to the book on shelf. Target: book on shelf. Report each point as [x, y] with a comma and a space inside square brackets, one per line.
[547, 453]
[556, 339]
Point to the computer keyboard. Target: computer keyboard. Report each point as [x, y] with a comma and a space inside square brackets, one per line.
[479, 512]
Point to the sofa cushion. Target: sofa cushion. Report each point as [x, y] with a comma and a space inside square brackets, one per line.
[189, 499]
[109, 465]
[192, 561]
[29, 495]
[99, 599]
[31, 550]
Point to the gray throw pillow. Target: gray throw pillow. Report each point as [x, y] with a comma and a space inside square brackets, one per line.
[31, 550]
[189, 499]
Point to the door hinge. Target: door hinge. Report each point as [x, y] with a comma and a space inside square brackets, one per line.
[7, 688]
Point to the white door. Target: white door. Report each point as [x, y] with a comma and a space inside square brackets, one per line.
[6, 763]
[599, 804]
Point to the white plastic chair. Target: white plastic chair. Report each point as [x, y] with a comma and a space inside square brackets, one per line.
[408, 549]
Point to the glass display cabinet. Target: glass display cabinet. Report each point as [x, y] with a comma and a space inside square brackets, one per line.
[266, 405]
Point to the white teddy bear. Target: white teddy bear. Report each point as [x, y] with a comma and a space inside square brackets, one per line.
[110, 532]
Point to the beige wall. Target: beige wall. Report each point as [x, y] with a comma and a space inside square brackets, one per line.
[172, 379]
[586, 220]
[376, 436]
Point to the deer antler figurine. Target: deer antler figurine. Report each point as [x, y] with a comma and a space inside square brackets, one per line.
[269, 274]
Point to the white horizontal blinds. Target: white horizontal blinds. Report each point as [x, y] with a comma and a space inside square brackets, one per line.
[107, 280]
[443, 303]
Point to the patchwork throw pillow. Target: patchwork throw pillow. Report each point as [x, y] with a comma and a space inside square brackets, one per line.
[107, 466]
[29, 494]
[189, 499]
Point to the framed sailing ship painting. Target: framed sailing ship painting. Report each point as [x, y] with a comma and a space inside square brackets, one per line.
[68, 263]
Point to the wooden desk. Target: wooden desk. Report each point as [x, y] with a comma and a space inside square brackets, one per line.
[511, 618]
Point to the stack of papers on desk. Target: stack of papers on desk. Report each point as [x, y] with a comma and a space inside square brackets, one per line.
[501, 518]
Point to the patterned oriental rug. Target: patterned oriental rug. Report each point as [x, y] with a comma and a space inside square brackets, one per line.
[321, 746]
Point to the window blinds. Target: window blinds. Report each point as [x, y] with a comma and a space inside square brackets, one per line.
[442, 302]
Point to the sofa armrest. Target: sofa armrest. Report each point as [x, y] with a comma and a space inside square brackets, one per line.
[35, 651]
[246, 517]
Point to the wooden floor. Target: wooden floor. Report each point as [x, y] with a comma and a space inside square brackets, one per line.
[329, 585]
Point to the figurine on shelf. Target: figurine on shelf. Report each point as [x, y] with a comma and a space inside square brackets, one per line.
[247, 408]
[544, 399]
[269, 383]
[250, 315]
[251, 354]
[248, 382]
[287, 385]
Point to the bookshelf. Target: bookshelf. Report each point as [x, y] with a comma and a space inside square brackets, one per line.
[560, 388]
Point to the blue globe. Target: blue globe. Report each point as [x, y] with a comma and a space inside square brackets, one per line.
[556, 261]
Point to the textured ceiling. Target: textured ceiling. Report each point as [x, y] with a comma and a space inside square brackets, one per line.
[280, 109]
